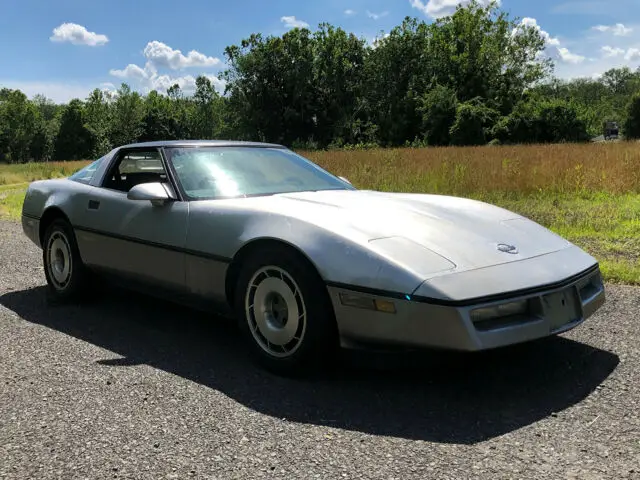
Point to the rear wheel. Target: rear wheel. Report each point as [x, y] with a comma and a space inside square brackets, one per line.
[285, 313]
[65, 273]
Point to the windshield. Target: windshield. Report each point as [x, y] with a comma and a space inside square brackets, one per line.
[221, 172]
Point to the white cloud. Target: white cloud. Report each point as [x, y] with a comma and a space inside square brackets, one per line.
[568, 57]
[377, 16]
[349, 12]
[187, 83]
[109, 91]
[148, 79]
[633, 54]
[619, 30]
[130, 71]
[375, 41]
[552, 44]
[596, 66]
[608, 51]
[293, 22]
[532, 22]
[442, 8]
[160, 55]
[599, 56]
[77, 35]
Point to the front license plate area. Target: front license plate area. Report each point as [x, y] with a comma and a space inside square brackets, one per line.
[561, 308]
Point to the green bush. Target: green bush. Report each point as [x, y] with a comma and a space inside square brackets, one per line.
[546, 121]
[438, 109]
[631, 127]
[473, 124]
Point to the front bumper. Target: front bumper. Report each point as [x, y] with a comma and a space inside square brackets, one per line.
[31, 228]
[451, 326]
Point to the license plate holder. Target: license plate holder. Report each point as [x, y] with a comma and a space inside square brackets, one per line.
[561, 308]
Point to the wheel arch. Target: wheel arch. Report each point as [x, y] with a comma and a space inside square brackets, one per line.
[49, 215]
[235, 267]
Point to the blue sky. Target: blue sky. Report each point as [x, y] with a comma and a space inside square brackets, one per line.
[65, 48]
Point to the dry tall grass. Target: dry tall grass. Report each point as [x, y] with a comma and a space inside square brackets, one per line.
[589, 194]
[28, 172]
[523, 170]
[479, 171]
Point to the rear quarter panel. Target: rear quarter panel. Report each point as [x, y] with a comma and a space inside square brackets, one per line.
[66, 195]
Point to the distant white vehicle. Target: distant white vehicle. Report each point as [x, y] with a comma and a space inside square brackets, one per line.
[611, 130]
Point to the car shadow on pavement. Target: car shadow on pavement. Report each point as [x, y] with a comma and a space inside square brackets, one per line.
[433, 396]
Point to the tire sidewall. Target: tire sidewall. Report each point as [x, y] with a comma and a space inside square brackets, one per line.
[320, 335]
[76, 279]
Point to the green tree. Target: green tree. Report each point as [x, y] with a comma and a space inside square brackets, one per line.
[209, 112]
[74, 141]
[127, 117]
[542, 121]
[97, 117]
[473, 124]
[338, 69]
[438, 108]
[467, 78]
[159, 122]
[559, 121]
[631, 126]
[473, 52]
[270, 86]
[47, 124]
[397, 73]
[477, 53]
[18, 120]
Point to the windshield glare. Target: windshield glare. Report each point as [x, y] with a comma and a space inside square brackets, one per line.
[223, 172]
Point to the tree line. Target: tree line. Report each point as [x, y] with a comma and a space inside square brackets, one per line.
[472, 78]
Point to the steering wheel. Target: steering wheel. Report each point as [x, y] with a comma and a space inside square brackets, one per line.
[294, 181]
[206, 182]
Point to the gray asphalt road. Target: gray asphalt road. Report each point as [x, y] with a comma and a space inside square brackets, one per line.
[138, 388]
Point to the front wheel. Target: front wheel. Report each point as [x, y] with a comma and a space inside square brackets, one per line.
[65, 273]
[285, 313]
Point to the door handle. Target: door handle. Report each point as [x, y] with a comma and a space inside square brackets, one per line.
[94, 204]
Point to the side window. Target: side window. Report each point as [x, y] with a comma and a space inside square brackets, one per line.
[85, 175]
[135, 167]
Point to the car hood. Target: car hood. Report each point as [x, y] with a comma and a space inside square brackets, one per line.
[468, 233]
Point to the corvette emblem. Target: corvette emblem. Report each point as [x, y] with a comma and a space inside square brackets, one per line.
[503, 247]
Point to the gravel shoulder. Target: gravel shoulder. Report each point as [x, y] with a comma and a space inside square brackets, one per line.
[129, 387]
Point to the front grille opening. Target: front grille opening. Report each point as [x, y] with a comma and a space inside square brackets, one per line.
[590, 289]
[503, 322]
[508, 314]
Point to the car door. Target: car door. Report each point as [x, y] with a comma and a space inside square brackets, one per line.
[134, 238]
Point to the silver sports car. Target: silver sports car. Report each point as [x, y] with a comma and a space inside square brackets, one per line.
[305, 261]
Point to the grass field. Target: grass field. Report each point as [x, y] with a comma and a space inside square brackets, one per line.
[589, 194]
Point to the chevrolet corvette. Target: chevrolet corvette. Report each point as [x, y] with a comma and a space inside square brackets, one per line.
[303, 260]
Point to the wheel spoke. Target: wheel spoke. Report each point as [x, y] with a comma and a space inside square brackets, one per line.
[59, 260]
[275, 311]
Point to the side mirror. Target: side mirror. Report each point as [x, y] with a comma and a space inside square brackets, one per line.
[345, 180]
[153, 192]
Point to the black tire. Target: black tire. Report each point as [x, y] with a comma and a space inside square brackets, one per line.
[318, 346]
[67, 277]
